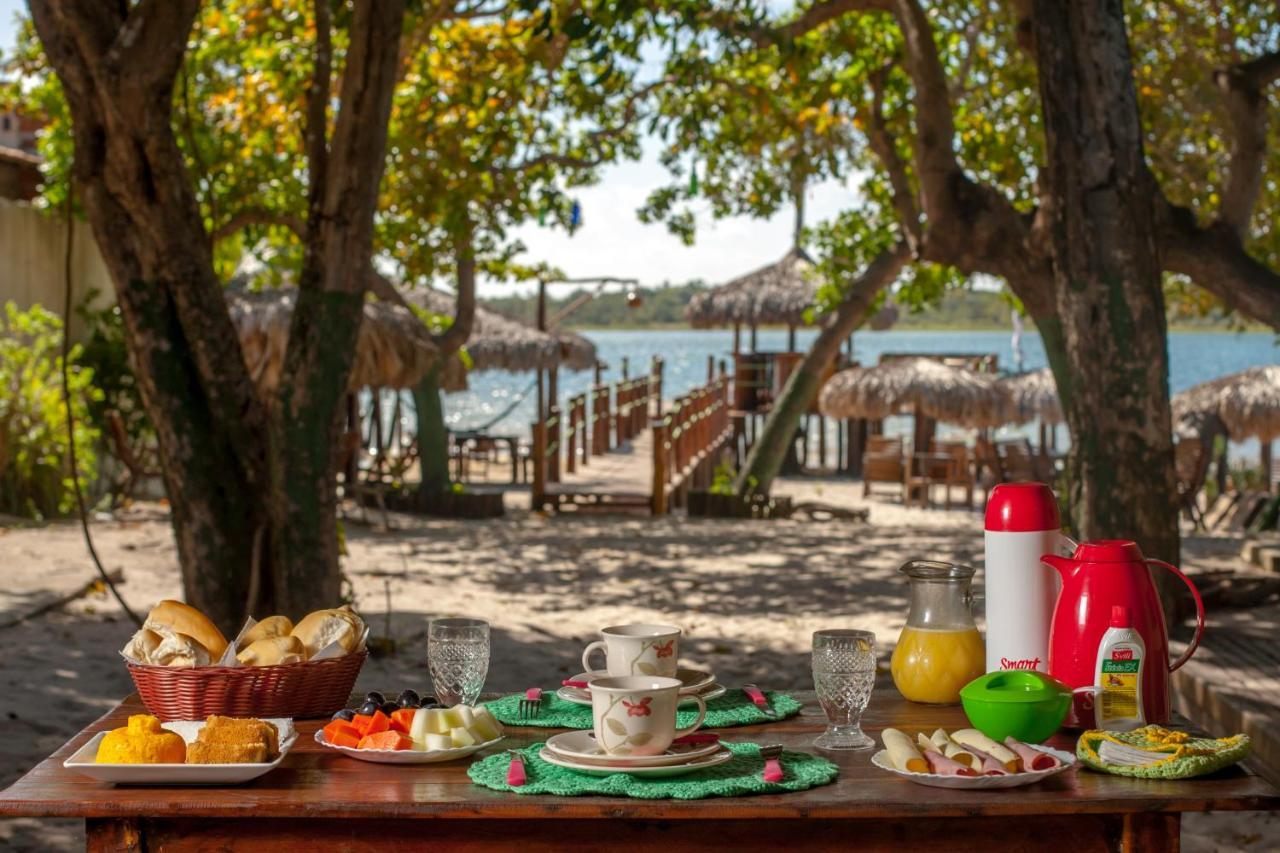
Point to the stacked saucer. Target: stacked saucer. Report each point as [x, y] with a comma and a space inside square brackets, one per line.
[578, 751]
[696, 682]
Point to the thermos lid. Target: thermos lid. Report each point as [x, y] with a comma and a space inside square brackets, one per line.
[1120, 616]
[1022, 508]
[1108, 551]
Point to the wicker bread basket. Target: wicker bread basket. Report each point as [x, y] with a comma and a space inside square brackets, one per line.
[314, 688]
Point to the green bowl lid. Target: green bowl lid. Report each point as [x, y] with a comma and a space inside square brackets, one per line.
[1014, 685]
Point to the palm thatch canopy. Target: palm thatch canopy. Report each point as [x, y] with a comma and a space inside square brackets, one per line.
[499, 342]
[1248, 402]
[1033, 396]
[916, 386]
[776, 294]
[394, 349]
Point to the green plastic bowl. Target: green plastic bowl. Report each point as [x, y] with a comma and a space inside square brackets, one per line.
[1024, 704]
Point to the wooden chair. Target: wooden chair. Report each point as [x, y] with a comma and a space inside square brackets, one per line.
[1017, 461]
[960, 471]
[883, 463]
[1191, 465]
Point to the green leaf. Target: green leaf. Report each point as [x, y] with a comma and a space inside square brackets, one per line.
[615, 726]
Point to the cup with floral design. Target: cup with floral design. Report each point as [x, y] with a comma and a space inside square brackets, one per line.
[637, 650]
[636, 714]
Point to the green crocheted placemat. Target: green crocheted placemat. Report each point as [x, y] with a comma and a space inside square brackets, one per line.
[743, 774]
[731, 709]
[1190, 756]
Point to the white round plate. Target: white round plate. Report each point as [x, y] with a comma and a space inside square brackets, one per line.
[715, 759]
[578, 696]
[976, 783]
[581, 746]
[692, 680]
[85, 761]
[406, 756]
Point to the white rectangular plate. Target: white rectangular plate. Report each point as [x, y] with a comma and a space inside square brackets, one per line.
[84, 761]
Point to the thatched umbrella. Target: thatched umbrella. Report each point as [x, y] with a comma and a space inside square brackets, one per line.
[499, 342]
[394, 349]
[920, 386]
[776, 294]
[1248, 402]
[1033, 396]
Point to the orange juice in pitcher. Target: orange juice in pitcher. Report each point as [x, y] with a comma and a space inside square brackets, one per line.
[940, 649]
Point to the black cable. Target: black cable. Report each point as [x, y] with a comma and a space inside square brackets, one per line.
[71, 425]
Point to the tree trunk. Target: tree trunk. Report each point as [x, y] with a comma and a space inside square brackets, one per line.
[771, 446]
[433, 436]
[1100, 214]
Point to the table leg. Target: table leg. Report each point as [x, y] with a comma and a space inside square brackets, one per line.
[113, 835]
[1153, 831]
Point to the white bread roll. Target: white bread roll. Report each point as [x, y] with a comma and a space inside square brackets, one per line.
[272, 626]
[170, 618]
[180, 650]
[141, 645]
[323, 627]
[273, 650]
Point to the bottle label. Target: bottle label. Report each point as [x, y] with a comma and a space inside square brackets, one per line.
[1119, 695]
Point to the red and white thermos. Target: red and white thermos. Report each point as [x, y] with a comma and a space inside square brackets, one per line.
[1022, 524]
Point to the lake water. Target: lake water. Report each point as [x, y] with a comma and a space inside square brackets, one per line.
[1193, 357]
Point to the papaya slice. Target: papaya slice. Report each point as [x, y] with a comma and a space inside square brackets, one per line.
[402, 720]
[386, 740]
[339, 728]
[378, 723]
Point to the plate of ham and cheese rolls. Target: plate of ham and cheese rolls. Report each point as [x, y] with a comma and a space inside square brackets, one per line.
[967, 759]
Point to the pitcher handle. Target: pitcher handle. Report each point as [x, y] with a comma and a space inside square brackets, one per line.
[1195, 593]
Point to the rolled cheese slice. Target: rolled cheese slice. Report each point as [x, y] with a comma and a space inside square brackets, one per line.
[940, 740]
[976, 740]
[902, 752]
[956, 752]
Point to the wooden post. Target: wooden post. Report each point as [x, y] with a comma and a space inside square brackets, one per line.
[656, 387]
[571, 438]
[553, 385]
[626, 366]
[539, 454]
[1265, 457]
[658, 499]
[553, 433]
[737, 338]
[791, 338]
[711, 367]
[599, 372]
[754, 348]
[822, 442]
[353, 424]
[541, 323]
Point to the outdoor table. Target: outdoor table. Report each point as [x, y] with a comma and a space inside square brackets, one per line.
[320, 800]
[512, 442]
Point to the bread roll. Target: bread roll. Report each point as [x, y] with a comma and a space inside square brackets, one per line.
[272, 626]
[272, 651]
[323, 627]
[141, 645]
[170, 618]
[180, 650]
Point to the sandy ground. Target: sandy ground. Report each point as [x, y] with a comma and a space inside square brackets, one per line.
[747, 595]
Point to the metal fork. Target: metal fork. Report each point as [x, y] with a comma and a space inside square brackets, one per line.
[531, 705]
[772, 765]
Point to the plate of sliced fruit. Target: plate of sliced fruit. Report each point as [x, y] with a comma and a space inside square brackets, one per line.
[414, 732]
[968, 759]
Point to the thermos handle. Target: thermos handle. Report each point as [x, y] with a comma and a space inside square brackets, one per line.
[1195, 593]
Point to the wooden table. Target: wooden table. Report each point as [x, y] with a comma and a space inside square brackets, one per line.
[320, 801]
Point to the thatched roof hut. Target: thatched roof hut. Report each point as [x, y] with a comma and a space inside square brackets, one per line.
[923, 386]
[776, 294]
[1033, 396]
[499, 342]
[1248, 402]
[394, 349]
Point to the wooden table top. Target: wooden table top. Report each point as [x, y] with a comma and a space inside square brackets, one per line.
[315, 782]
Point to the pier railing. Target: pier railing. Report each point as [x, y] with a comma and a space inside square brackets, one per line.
[594, 422]
[686, 443]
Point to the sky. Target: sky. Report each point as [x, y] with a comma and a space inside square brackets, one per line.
[613, 242]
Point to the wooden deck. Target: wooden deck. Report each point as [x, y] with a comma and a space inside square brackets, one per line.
[618, 481]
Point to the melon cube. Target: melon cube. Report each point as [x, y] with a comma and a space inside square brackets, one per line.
[453, 717]
[467, 715]
[437, 721]
[485, 726]
[462, 737]
[418, 728]
[434, 742]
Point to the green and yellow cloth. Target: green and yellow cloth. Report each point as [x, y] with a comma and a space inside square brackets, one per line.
[1175, 755]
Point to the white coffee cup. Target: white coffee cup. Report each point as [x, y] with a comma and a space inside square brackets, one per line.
[636, 714]
[637, 650]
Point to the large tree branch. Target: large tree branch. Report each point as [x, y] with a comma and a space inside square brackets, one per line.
[886, 150]
[1214, 258]
[317, 138]
[817, 15]
[596, 138]
[451, 339]
[149, 46]
[258, 216]
[1243, 91]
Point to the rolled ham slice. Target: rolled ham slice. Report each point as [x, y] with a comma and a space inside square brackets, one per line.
[991, 766]
[943, 766]
[1032, 759]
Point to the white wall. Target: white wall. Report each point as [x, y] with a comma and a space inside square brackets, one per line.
[32, 250]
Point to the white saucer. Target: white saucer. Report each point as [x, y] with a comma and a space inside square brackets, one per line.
[715, 759]
[692, 680]
[578, 696]
[581, 747]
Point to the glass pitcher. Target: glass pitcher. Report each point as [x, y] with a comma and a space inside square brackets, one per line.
[939, 651]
